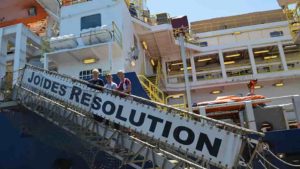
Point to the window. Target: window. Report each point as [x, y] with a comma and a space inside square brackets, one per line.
[86, 74]
[203, 44]
[276, 34]
[91, 21]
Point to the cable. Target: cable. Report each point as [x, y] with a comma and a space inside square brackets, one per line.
[263, 158]
[284, 162]
[262, 164]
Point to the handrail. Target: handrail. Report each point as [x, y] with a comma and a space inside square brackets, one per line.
[180, 105]
[169, 109]
[112, 29]
[293, 18]
[71, 2]
[152, 88]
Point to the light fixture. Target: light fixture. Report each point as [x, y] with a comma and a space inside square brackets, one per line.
[204, 60]
[258, 86]
[188, 68]
[280, 84]
[237, 33]
[176, 96]
[175, 64]
[270, 57]
[281, 155]
[89, 60]
[234, 55]
[216, 92]
[290, 46]
[145, 46]
[152, 62]
[262, 51]
[132, 63]
[229, 62]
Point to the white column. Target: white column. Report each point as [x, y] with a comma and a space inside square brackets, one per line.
[282, 56]
[186, 76]
[20, 52]
[50, 25]
[110, 56]
[221, 59]
[193, 69]
[164, 70]
[296, 103]
[252, 60]
[202, 110]
[2, 54]
[250, 115]
[46, 62]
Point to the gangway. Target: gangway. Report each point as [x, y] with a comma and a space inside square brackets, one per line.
[160, 136]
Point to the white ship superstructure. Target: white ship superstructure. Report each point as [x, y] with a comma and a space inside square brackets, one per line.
[66, 39]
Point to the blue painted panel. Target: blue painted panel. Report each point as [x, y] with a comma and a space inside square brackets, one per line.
[137, 88]
[285, 141]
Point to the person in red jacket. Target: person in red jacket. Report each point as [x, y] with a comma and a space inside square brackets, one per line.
[125, 84]
[251, 87]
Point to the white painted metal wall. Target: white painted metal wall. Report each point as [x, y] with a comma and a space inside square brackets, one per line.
[111, 11]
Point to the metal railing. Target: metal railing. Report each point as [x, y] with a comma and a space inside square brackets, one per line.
[100, 137]
[182, 100]
[112, 31]
[71, 2]
[168, 108]
[162, 108]
[154, 92]
[292, 12]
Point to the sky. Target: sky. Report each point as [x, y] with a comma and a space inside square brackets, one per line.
[206, 9]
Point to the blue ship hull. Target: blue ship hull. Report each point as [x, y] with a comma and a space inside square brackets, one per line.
[30, 142]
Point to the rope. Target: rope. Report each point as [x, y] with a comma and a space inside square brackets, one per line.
[279, 159]
[262, 164]
[263, 158]
[265, 148]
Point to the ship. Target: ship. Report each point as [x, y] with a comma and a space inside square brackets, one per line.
[216, 93]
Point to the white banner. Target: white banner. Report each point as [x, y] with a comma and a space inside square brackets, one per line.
[198, 138]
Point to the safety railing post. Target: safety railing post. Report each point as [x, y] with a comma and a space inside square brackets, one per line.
[202, 110]
[296, 103]
[250, 115]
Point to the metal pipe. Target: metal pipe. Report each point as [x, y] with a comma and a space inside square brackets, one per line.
[186, 78]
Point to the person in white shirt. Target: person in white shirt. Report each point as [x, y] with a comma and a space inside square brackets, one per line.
[110, 84]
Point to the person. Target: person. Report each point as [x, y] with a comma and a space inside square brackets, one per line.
[251, 87]
[109, 82]
[96, 80]
[125, 87]
[125, 84]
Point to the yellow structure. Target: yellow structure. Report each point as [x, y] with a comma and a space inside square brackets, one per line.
[291, 8]
[153, 91]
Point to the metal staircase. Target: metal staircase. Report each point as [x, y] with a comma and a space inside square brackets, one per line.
[54, 97]
[152, 90]
[291, 9]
